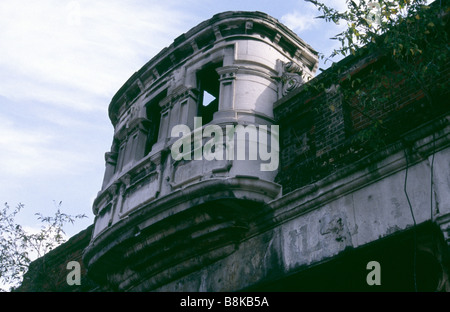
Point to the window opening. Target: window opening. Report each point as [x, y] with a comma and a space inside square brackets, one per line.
[209, 86]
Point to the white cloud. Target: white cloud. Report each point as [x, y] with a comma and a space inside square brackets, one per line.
[62, 61]
[27, 152]
[303, 20]
[305, 16]
[339, 5]
[69, 53]
[299, 21]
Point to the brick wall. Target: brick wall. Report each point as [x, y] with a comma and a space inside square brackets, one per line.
[328, 128]
[49, 273]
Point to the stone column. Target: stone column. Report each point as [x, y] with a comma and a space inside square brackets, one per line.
[227, 79]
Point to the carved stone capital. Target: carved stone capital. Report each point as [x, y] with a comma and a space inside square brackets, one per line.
[290, 77]
[227, 73]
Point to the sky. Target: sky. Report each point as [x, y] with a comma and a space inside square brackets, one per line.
[62, 61]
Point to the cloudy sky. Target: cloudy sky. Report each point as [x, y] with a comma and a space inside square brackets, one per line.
[60, 64]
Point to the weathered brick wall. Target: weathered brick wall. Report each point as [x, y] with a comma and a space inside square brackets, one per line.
[325, 129]
[49, 273]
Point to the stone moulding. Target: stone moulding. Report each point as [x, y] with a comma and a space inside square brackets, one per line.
[352, 178]
[210, 215]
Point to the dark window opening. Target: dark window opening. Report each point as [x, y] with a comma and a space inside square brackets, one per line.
[154, 117]
[209, 86]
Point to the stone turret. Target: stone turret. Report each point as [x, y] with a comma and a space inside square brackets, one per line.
[157, 213]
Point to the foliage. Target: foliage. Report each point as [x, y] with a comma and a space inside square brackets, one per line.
[18, 246]
[406, 24]
[403, 43]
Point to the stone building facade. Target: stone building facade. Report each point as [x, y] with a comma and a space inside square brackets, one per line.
[313, 219]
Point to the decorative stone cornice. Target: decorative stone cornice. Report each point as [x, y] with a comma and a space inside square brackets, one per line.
[256, 25]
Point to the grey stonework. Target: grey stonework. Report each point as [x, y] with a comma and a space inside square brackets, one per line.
[313, 224]
[199, 225]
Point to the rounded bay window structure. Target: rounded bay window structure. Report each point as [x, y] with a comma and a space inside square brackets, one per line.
[163, 212]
